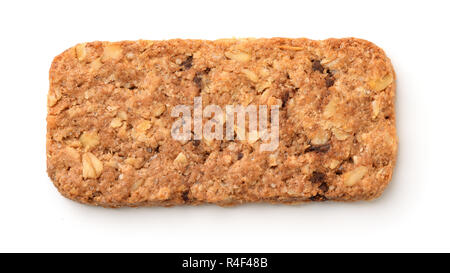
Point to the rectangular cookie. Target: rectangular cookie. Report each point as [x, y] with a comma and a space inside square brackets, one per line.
[111, 137]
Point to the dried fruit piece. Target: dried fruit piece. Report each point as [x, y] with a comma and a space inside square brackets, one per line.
[92, 166]
[329, 79]
[186, 64]
[284, 98]
[317, 177]
[323, 187]
[319, 149]
[318, 197]
[316, 66]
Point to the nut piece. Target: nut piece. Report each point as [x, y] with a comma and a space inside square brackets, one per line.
[143, 126]
[340, 134]
[274, 101]
[238, 56]
[52, 100]
[381, 83]
[112, 51]
[250, 75]
[116, 123]
[92, 167]
[180, 160]
[159, 109]
[333, 163]
[89, 140]
[95, 65]
[320, 138]
[330, 109]
[353, 176]
[80, 50]
[273, 160]
[375, 108]
[122, 115]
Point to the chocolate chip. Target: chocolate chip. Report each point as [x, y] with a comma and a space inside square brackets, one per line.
[316, 66]
[187, 63]
[196, 142]
[323, 187]
[318, 197]
[317, 177]
[285, 98]
[240, 156]
[185, 196]
[318, 148]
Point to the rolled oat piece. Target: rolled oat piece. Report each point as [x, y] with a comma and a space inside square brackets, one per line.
[145, 123]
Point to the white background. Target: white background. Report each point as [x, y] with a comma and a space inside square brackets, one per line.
[412, 214]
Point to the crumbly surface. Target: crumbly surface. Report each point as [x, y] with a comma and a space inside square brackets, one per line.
[108, 125]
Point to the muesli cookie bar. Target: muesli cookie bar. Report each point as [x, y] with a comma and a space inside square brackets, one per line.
[110, 123]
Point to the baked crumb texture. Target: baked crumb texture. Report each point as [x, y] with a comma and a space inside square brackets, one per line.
[108, 124]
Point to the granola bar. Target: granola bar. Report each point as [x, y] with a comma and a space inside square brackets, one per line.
[110, 122]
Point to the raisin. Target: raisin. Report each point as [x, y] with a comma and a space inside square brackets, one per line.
[318, 148]
[329, 81]
[185, 196]
[323, 187]
[196, 142]
[317, 177]
[284, 98]
[318, 197]
[198, 80]
[187, 63]
[316, 66]
[240, 156]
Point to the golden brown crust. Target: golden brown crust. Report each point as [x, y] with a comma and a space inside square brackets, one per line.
[108, 123]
